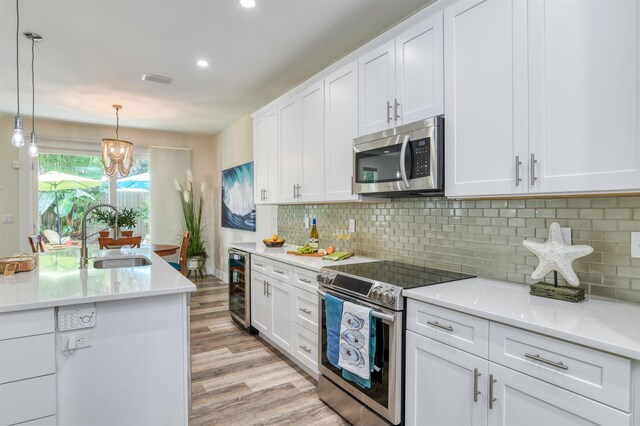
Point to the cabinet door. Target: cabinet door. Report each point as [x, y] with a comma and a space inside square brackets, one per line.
[485, 97]
[281, 300]
[584, 88]
[441, 382]
[312, 127]
[523, 400]
[271, 155]
[260, 161]
[341, 127]
[260, 304]
[289, 149]
[420, 71]
[376, 89]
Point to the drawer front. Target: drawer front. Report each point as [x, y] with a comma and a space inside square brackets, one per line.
[306, 309]
[28, 399]
[272, 268]
[466, 332]
[305, 347]
[305, 279]
[27, 357]
[589, 372]
[260, 264]
[26, 323]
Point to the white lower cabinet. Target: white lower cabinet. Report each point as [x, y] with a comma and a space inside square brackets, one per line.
[259, 302]
[446, 385]
[271, 309]
[305, 347]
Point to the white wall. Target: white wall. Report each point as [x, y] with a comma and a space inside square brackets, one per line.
[231, 147]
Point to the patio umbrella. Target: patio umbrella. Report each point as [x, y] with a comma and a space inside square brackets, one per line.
[57, 181]
[140, 181]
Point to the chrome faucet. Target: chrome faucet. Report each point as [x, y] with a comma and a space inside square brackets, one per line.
[84, 252]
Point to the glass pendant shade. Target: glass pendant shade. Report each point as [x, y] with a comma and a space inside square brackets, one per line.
[18, 136]
[33, 146]
[117, 155]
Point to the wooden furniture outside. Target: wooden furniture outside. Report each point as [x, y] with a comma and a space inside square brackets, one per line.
[37, 245]
[106, 243]
[181, 265]
[162, 249]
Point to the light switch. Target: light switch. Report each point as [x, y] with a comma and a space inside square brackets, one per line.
[15, 164]
[352, 226]
[306, 222]
[635, 244]
[7, 218]
[566, 235]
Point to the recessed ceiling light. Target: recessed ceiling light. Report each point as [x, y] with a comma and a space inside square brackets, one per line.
[248, 3]
[202, 63]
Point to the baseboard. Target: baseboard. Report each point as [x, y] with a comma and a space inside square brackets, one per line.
[218, 274]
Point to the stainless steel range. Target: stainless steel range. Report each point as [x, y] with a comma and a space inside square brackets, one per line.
[379, 286]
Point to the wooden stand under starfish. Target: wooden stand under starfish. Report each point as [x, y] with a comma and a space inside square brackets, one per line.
[554, 291]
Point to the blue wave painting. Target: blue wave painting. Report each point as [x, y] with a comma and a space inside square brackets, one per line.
[238, 207]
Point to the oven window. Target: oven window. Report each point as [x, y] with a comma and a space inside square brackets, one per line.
[379, 390]
[382, 164]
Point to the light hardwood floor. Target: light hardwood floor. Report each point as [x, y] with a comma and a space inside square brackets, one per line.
[239, 379]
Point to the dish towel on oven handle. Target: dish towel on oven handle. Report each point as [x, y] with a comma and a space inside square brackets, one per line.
[333, 315]
[355, 340]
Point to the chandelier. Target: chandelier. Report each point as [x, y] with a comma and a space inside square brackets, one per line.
[117, 154]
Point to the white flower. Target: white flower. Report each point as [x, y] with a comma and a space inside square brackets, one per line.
[189, 176]
[177, 185]
[203, 188]
[185, 194]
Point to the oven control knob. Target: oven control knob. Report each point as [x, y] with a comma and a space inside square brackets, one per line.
[388, 297]
[376, 293]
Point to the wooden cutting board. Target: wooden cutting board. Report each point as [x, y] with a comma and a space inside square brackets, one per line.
[306, 254]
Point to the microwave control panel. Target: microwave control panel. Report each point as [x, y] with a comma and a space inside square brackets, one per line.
[422, 157]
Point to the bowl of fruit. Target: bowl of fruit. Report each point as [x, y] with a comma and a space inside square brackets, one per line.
[274, 241]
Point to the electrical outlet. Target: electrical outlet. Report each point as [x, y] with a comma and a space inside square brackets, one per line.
[306, 222]
[72, 341]
[352, 226]
[7, 218]
[566, 235]
[15, 164]
[635, 244]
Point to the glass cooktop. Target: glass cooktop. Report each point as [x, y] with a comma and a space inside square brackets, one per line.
[399, 274]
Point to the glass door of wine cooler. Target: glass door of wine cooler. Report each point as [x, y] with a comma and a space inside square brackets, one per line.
[239, 290]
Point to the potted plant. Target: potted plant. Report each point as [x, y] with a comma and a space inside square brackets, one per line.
[106, 217]
[192, 221]
[128, 218]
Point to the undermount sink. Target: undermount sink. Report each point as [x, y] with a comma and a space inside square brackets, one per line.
[121, 262]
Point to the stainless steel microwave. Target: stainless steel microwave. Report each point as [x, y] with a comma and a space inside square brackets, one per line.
[406, 160]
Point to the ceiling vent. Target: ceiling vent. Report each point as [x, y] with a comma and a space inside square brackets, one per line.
[157, 78]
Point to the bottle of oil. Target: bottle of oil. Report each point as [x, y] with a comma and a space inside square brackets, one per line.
[314, 238]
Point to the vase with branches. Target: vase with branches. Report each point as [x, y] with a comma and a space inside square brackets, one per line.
[192, 217]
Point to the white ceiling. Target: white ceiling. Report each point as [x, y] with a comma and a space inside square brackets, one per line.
[95, 51]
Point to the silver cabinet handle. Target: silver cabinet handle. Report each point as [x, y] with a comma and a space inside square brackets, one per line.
[264, 287]
[278, 271]
[437, 324]
[403, 170]
[491, 398]
[518, 164]
[304, 348]
[304, 280]
[476, 392]
[532, 167]
[396, 104]
[258, 264]
[268, 289]
[388, 111]
[306, 311]
[537, 357]
[299, 191]
[294, 191]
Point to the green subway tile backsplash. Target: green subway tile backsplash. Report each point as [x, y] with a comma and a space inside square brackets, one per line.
[483, 237]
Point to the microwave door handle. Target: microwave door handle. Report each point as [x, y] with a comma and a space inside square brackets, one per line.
[403, 170]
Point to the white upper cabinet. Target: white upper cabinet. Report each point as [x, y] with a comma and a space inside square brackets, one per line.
[313, 140]
[289, 149]
[341, 127]
[265, 158]
[377, 89]
[486, 97]
[419, 72]
[401, 81]
[584, 95]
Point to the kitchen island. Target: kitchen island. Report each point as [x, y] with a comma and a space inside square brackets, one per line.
[95, 346]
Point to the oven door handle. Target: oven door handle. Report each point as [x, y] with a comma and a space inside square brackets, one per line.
[403, 170]
[374, 313]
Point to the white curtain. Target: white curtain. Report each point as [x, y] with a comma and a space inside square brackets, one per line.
[166, 164]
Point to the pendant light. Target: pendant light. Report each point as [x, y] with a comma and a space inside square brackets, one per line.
[33, 145]
[18, 136]
[117, 155]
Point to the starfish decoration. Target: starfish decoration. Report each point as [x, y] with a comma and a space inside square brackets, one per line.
[556, 255]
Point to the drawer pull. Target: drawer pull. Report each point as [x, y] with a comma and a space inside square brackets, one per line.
[491, 398]
[259, 264]
[304, 348]
[304, 280]
[306, 311]
[278, 271]
[537, 357]
[476, 392]
[437, 324]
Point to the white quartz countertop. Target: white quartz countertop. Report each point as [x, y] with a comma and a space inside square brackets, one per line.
[57, 281]
[280, 254]
[608, 325]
